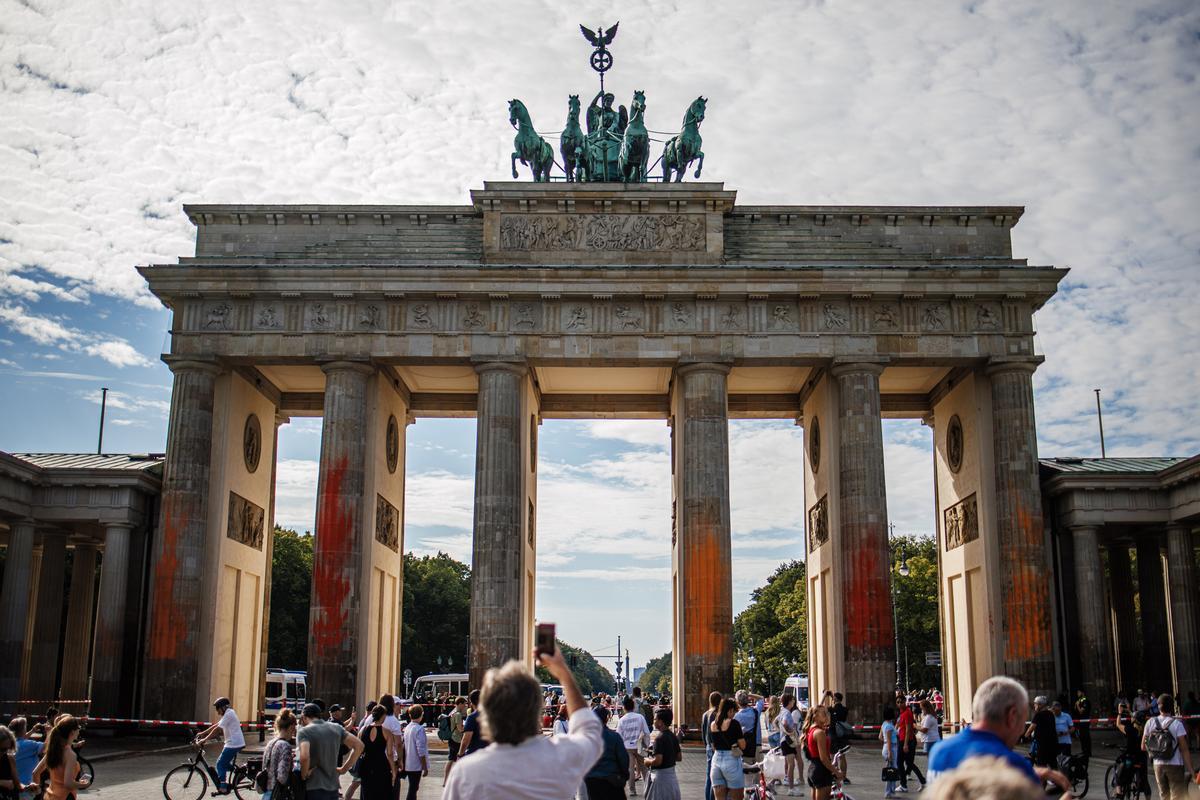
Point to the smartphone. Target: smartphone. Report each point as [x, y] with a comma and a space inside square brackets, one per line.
[545, 638]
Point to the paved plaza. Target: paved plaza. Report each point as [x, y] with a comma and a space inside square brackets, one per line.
[140, 777]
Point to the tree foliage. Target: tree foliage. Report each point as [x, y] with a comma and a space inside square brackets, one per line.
[437, 614]
[588, 672]
[657, 677]
[291, 583]
[917, 609]
[774, 628]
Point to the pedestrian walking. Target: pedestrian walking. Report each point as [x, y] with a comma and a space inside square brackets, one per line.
[230, 728]
[891, 750]
[473, 738]
[1165, 741]
[840, 732]
[458, 718]
[665, 753]
[277, 757]
[415, 751]
[634, 732]
[930, 728]
[1064, 726]
[606, 779]
[318, 743]
[59, 761]
[749, 718]
[377, 769]
[789, 740]
[906, 735]
[521, 764]
[822, 773]
[1043, 730]
[714, 702]
[728, 780]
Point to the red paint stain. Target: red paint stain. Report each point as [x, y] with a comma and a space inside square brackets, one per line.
[867, 601]
[331, 583]
[1027, 604]
[169, 628]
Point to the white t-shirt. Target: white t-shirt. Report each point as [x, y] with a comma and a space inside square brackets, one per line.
[1176, 729]
[933, 733]
[231, 727]
[416, 744]
[395, 727]
[786, 724]
[538, 768]
[632, 727]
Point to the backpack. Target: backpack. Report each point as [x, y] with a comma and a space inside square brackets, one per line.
[1160, 743]
[444, 727]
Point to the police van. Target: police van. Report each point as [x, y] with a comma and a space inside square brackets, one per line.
[285, 689]
[797, 685]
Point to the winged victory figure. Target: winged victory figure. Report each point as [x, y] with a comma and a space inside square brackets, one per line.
[602, 40]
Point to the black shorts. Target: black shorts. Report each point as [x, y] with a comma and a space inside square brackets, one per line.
[786, 747]
[453, 746]
[819, 776]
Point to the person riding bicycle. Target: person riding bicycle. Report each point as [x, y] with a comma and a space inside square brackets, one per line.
[1133, 760]
[231, 729]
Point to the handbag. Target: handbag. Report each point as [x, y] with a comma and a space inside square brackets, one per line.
[890, 774]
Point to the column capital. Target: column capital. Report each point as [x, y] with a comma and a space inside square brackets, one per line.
[515, 366]
[179, 364]
[342, 365]
[1085, 527]
[281, 419]
[852, 366]
[1001, 364]
[108, 526]
[689, 367]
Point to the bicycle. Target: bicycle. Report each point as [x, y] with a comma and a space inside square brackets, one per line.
[189, 781]
[1076, 770]
[1137, 786]
[838, 793]
[763, 789]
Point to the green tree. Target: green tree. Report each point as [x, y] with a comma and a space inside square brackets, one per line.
[291, 581]
[774, 628]
[589, 674]
[437, 614]
[917, 608]
[657, 677]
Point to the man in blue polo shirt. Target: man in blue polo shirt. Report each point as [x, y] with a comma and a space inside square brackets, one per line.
[998, 711]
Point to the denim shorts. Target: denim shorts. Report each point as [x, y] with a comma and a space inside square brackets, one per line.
[726, 770]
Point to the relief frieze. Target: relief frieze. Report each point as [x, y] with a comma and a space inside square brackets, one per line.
[245, 521]
[818, 524]
[387, 523]
[617, 232]
[962, 522]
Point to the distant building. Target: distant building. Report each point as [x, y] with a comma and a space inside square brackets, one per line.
[638, 672]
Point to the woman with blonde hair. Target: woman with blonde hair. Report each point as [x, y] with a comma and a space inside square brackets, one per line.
[821, 770]
[774, 735]
[60, 761]
[277, 758]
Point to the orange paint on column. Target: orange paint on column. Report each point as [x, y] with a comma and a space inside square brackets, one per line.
[168, 627]
[335, 527]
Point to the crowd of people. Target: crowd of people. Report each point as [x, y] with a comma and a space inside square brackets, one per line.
[40, 758]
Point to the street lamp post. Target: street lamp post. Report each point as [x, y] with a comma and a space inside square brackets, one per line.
[903, 571]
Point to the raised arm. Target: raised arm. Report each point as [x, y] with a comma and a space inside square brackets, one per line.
[356, 747]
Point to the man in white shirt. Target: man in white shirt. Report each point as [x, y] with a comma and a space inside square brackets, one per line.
[1172, 759]
[416, 751]
[231, 730]
[631, 728]
[521, 764]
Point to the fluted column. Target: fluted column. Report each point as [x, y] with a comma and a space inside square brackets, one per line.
[499, 506]
[1095, 655]
[1027, 644]
[14, 606]
[1121, 591]
[862, 541]
[109, 651]
[43, 662]
[333, 638]
[79, 623]
[1181, 580]
[703, 548]
[35, 575]
[1152, 601]
[177, 555]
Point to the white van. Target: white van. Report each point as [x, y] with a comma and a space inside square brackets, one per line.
[428, 687]
[797, 684]
[286, 688]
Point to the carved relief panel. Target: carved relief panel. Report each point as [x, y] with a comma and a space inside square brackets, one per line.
[246, 521]
[387, 523]
[961, 522]
[818, 524]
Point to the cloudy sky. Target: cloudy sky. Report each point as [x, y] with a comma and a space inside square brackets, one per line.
[114, 114]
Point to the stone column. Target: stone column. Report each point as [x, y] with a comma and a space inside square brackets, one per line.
[43, 663]
[35, 574]
[1152, 598]
[177, 555]
[1181, 580]
[14, 606]
[108, 654]
[1121, 591]
[334, 636]
[79, 623]
[703, 548]
[1091, 628]
[1026, 619]
[862, 542]
[499, 507]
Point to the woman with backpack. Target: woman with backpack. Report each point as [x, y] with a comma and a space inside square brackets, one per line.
[277, 758]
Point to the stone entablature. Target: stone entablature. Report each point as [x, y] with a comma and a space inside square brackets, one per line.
[1123, 492]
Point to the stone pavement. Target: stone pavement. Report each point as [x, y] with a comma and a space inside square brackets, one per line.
[140, 777]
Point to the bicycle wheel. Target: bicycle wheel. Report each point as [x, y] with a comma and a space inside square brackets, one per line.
[86, 770]
[185, 782]
[1110, 782]
[1079, 788]
[242, 785]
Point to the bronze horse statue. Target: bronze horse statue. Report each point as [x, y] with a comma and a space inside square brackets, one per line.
[572, 142]
[635, 146]
[533, 150]
[683, 149]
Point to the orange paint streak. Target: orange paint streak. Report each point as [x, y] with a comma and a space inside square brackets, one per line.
[868, 613]
[331, 584]
[1027, 604]
[169, 628]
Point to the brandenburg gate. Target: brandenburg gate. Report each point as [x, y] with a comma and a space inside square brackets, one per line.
[571, 300]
